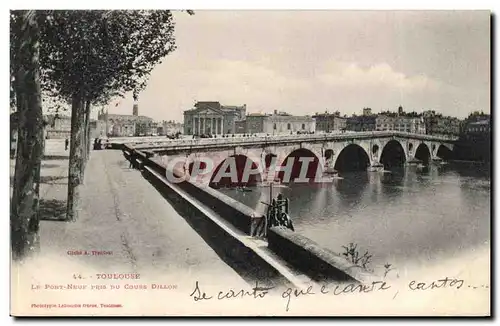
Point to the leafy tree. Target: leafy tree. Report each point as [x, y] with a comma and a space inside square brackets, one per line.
[90, 56]
[25, 68]
[26, 101]
[84, 58]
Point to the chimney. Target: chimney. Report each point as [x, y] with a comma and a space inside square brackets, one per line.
[135, 110]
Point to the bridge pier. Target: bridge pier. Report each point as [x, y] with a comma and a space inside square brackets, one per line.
[375, 154]
[434, 150]
[412, 161]
[329, 166]
[375, 165]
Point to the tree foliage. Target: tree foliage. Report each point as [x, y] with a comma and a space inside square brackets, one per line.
[15, 32]
[92, 56]
[101, 54]
[83, 57]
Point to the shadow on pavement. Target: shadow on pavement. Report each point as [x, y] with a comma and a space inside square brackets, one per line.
[51, 179]
[52, 210]
[55, 157]
[50, 166]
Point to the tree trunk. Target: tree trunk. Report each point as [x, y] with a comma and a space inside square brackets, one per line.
[84, 140]
[85, 148]
[75, 158]
[82, 167]
[88, 131]
[24, 219]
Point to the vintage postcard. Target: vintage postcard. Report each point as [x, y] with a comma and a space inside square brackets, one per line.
[250, 163]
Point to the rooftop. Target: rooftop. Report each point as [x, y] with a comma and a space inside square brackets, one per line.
[257, 115]
[128, 115]
[481, 122]
[215, 106]
[328, 114]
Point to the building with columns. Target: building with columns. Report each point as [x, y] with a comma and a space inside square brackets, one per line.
[212, 118]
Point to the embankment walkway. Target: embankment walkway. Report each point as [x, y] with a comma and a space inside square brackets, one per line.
[123, 214]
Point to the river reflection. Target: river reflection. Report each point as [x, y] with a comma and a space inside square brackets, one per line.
[408, 215]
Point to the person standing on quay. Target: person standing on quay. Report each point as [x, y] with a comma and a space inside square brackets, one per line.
[66, 143]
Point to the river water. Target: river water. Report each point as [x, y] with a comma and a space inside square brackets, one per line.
[404, 217]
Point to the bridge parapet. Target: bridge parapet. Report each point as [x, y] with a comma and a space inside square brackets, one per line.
[326, 148]
[282, 139]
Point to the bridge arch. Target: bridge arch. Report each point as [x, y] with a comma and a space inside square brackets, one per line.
[196, 165]
[423, 153]
[298, 160]
[393, 154]
[214, 159]
[353, 157]
[236, 170]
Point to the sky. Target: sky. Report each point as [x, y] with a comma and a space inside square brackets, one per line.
[304, 62]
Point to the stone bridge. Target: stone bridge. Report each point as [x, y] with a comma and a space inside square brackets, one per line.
[322, 152]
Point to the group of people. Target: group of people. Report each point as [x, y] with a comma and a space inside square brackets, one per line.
[195, 136]
[97, 143]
